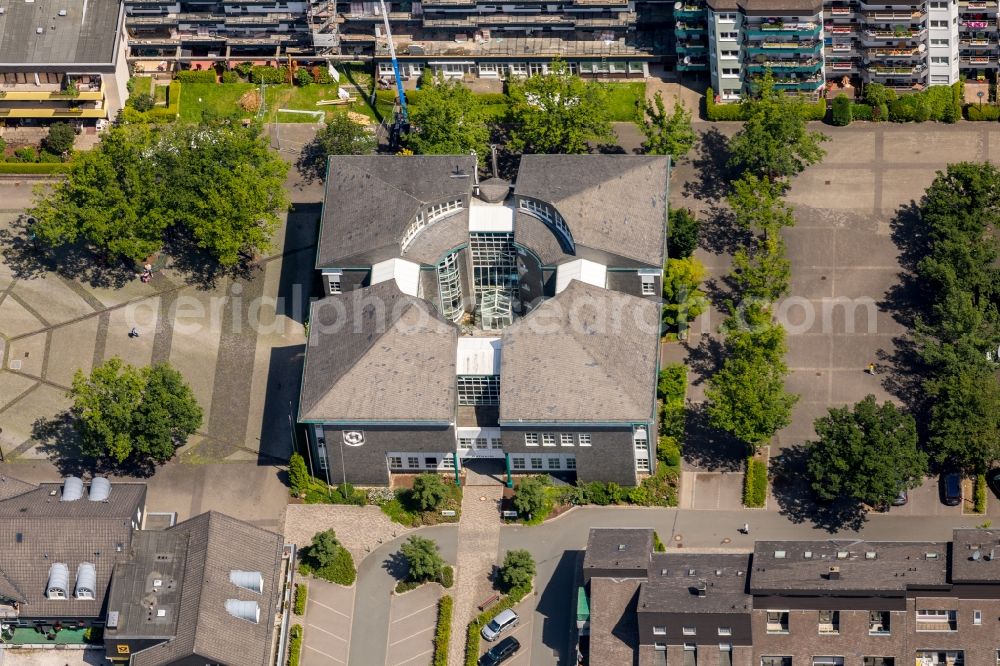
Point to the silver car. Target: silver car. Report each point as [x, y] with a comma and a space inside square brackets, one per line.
[504, 620]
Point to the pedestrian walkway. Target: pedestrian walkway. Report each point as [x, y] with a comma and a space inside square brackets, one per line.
[478, 543]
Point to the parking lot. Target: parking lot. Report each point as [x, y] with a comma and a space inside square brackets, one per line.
[925, 500]
[327, 624]
[412, 620]
[524, 633]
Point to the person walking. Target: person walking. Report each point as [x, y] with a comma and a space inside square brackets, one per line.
[134, 333]
[871, 369]
[746, 528]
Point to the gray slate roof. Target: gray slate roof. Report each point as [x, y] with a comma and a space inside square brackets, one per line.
[431, 244]
[616, 204]
[968, 568]
[87, 35]
[673, 588]
[588, 355]
[67, 532]
[371, 200]
[604, 548]
[614, 629]
[217, 544]
[376, 354]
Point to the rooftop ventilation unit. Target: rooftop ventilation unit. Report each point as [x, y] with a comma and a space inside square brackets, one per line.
[72, 489]
[100, 489]
[702, 588]
[112, 620]
[243, 610]
[58, 581]
[779, 554]
[86, 581]
[871, 555]
[834, 573]
[248, 580]
[62, 12]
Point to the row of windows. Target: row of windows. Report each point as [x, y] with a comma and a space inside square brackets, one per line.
[450, 287]
[549, 439]
[690, 631]
[540, 463]
[422, 462]
[550, 217]
[481, 443]
[427, 217]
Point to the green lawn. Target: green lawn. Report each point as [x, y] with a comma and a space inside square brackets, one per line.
[624, 100]
[305, 97]
[142, 84]
[220, 100]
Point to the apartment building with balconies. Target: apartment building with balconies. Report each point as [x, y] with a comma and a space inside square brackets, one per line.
[796, 603]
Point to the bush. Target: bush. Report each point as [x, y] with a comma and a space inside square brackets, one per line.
[639, 495]
[755, 484]
[168, 113]
[988, 112]
[658, 546]
[429, 491]
[529, 496]
[597, 493]
[940, 103]
[294, 644]
[301, 596]
[26, 169]
[442, 636]
[325, 558]
[472, 636]
[517, 570]
[196, 76]
[861, 112]
[231, 76]
[816, 110]
[298, 475]
[668, 451]
[321, 75]
[423, 559]
[979, 494]
[45, 157]
[717, 112]
[883, 112]
[447, 577]
[141, 102]
[265, 74]
[841, 114]
[25, 154]
[303, 77]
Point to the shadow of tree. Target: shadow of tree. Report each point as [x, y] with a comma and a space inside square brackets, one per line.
[710, 163]
[710, 449]
[58, 440]
[797, 502]
[397, 566]
[610, 149]
[719, 233]
[311, 163]
[199, 267]
[705, 358]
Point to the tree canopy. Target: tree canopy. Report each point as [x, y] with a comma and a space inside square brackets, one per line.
[423, 558]
[218, 184]
[867, 453]
[59, 139]
[448, 119]
[682, 233]
[343, 136]
[139, 415]
[517, 570]
[667, 133]
[774, 141]
[429, 491]
[529, 498]
[682, 300]
[556, 112]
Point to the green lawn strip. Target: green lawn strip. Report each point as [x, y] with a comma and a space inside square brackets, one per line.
[160, 95]
[220, 100]
[624, 101]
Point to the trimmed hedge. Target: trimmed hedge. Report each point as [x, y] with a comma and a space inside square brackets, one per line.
[265, 74]
[861, 112]
[168, 113]
[755, 484]
[472, 637]
[301, 596]
[988, 112]
[940, 103]
[294, 644]
[841, 114]
[447, 576]
[979, 494]
[27, 168]
[196, 76]
[443, 634]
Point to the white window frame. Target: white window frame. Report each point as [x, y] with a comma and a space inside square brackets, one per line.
[642, 465]
[531, 439]
[566, 439]
[517, 463]
[554, 464]
[659, 630]
[583, 439]
[548, 439]
[977, 617]
[689, 631]
[725, 631]
[571, 463]
[536, 463]
[395, 462]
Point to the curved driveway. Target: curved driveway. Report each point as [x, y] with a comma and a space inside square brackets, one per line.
[375, 585]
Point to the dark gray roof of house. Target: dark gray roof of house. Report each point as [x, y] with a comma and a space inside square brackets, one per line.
[372, 199]
[531, 233]
[87, 35]
[804, 566]
[604, 548]
[216, 544]
[588, 355]
[431, 244]
[672, 586]
[37, 530]
[975, 556]
[11, 487]
[612, 203]
[378, 355]
[614, 627]
[494, 190]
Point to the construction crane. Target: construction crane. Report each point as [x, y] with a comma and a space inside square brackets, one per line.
[395, 64]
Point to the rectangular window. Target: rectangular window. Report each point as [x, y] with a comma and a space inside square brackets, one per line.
[828, 661]
[465, 442]
[531, 439]
[482, 443]
[729, 53]
[728, 35]
[479, 390]
[660, 647]
[977, 617]
[395, 462]
[412, 462]
[648, 286]
[937, 60]
[321, 458]
[829, 622]
[554, 463]
[939, 24]
[775, 661]
[730, 71]
[571, 463]
[937, 620]
[536, 463]
[431, 462]
[642, 464]
[659, 631]
[517, 462]
[689, 631]
[878, 661]
[725, 631]
[583, 439]
[449, 461]
[334, 282]
[939, 42]
[777, 622]
[727, 17]
[566, 439]
[878, 623]
[939, 5]
[641, 445]
[548, 439]
[495, 444]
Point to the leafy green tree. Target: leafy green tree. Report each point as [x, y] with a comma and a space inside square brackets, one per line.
[323, 548]
[133, 414]
[529, 498]
[517, 570]
[667, 133]
[557, 112]
[682, 237]
[343, 136]
[762, 270]
[867, 454]
[965, 417]
[59, 139]
[448, 119]
[141, 102]
[298, 474]
[423, 558]
[877, 93]
[429, 491]
[682, 300]
[219, 183]
[757, 204]
[774, 141]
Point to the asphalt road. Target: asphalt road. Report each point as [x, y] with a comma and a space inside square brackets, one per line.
[557, 544]
[375, 584]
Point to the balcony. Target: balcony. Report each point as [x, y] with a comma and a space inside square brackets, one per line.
[834, 29]
[841, 11]
[689, 11]
[691, 47]
[879, 16]
[684, 28]
[878, 623]
[692, 66]
[802, 85]
[812, 65]
[977, 61]
[937, 620]
[763, 48]
[765, 30]
[977, 42]
[883, 70]
[893, 34]
[844, 47]
[841, 66]
[977, 4]
[894, 53]
[978, 25]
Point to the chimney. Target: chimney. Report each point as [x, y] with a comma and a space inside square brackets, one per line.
[702, 588]
[834, 573]
[493, 156]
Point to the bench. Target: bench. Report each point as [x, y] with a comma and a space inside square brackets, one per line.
[489, 602]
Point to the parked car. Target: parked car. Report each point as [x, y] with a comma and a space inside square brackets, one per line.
[901, 498]
[504, 621]
[951, 488]
[500, 652]
[993, 481]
